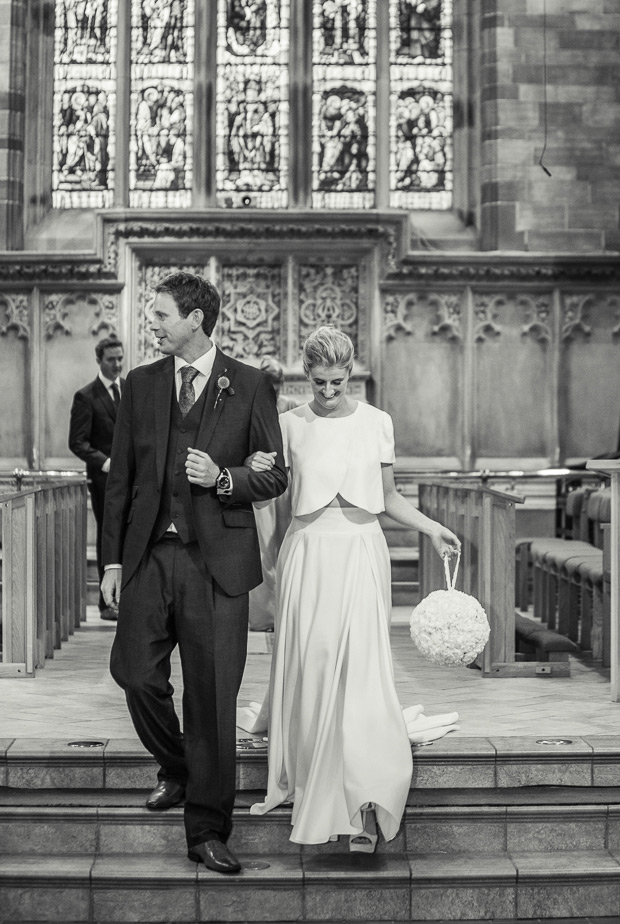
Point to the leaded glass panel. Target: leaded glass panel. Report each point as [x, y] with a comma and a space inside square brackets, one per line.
[252, 103]
[162, 103]
[84, 105]
[343, 103]
[421, 104]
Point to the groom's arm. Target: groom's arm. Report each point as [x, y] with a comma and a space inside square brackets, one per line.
[265, 434]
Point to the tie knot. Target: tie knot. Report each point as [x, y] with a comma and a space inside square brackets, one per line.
[188, 374]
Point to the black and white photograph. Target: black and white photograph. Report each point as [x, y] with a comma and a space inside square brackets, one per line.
[309, 461]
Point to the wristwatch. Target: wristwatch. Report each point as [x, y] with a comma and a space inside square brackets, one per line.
[223, 482]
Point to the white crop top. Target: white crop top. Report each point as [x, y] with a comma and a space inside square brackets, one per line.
[337, 455]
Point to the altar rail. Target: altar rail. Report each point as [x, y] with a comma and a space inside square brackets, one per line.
[43, 572]
[484, 520]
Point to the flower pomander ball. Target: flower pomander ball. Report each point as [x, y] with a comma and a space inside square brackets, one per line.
[449, 627]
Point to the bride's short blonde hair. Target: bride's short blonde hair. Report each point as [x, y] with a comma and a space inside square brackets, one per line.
[328, 346]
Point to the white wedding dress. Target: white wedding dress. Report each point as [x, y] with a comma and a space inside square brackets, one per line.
[337, 735]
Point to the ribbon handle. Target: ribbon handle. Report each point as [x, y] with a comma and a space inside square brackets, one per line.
[451, 580]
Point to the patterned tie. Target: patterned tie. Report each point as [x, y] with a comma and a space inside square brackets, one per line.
[116, 394]
[186, 392]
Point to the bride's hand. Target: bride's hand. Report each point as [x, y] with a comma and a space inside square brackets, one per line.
[260, 461]
[445, 542]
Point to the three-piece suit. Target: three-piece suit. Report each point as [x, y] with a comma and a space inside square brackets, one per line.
[188, 586]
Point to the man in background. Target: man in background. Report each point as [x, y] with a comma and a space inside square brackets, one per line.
[93, 416]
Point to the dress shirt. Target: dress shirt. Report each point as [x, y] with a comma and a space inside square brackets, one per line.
[204, 366]
[108, 383]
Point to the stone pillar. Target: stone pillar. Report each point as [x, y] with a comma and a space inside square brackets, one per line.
[466, 68]
[12, 122]
[573, 91]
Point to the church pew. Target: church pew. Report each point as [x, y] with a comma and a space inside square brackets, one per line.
[611, 565]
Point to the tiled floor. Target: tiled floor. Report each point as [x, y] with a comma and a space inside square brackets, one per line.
[75, 696]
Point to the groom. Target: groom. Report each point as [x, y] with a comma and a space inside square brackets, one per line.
[180, 552]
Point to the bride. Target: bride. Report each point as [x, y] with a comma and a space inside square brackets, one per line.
[338, 742]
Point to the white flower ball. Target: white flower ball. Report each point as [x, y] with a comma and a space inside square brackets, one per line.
[449, 627]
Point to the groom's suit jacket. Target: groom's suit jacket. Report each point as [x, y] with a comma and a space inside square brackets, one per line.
[242, 420]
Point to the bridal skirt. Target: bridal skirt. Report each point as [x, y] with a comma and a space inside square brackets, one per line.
[337, 735]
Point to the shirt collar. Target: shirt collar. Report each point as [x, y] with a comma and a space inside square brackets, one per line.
[108, 383]
[204, 364]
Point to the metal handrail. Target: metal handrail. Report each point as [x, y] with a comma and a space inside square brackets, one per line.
[487, 474]
[19, 475]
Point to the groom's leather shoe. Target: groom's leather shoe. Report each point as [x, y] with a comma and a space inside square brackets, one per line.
[165, 795]
[215, 856]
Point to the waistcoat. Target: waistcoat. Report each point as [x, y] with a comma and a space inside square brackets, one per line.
[176, 499]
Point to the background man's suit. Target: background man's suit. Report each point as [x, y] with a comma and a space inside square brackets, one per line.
[147, 489]
[91, 430]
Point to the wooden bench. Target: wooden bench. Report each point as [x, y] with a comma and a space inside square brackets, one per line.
[538, 643]
[569, 573]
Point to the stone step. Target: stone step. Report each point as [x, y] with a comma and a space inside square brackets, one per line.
[405, 593]
[450, 762]
[316, 887]
[404, 567]
[116, 823]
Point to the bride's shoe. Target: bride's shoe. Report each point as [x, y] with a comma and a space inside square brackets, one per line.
[366, 841]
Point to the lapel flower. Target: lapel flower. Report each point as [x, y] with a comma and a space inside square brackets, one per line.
[223, 384]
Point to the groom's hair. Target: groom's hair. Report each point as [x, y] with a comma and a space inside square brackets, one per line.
[190, 292]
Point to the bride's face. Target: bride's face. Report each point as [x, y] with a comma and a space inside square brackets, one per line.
[329, 385]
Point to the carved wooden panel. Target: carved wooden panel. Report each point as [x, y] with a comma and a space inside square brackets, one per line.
[71, 325]
[423, 371]
[589, 374]
[149, 276]
[250, 323]
[14, 367]
[329, 294]
[512, 369]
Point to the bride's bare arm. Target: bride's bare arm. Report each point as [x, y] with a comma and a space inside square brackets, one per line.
[398, 508]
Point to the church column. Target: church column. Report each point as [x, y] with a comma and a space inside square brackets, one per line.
[12, 123]
[500, 108]
[39, 121]
[300, 108]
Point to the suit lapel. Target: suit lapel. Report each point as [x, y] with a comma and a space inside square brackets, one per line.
[103, 395]
[162, 403]
[212, 410]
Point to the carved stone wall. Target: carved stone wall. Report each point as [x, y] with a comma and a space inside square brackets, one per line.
[251, 319]
[518, 368]
[483, 361]
[15, 352]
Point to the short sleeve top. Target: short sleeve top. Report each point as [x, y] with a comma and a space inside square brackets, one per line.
[337, 455]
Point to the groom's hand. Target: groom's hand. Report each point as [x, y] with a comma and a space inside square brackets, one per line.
[200, 468]
[111, 586]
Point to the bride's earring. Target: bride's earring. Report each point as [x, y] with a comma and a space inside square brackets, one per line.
[366, 841]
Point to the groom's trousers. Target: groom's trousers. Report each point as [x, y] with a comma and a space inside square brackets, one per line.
[172, 599]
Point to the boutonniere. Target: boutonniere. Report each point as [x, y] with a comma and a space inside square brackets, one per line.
[223, 384]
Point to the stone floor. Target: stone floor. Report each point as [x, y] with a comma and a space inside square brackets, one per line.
[75, 696]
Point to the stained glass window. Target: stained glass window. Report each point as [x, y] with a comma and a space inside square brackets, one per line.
[84, 103]
[151, 154]
[162, 98]
[343, 103]
[252, 103]
[421, 104]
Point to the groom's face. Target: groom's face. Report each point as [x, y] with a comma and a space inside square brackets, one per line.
[173, 332]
